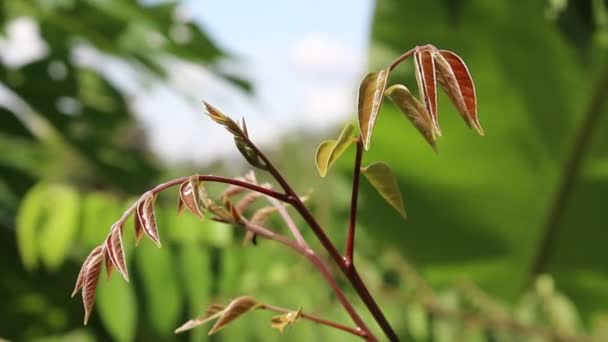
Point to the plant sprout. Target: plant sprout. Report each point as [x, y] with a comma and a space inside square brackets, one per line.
[431, 65]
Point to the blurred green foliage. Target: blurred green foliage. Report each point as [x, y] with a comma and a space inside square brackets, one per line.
[455, 270]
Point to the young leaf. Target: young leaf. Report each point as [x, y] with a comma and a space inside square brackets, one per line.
[212, 312]
[90, 280]
[425, 75]
[116, 253]
[247, 200]
[189, 196]
[147, 220]
[329, 150]
[137, 226]
[457, 82]
[371, 92]
[83, 270]
[234, 310]
[414, 111]
[223, 120]
[381, 177]
[282, 321]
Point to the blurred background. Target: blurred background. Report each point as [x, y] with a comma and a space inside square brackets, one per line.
[506, 235]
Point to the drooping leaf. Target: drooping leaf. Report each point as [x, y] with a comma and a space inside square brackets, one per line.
[381, 177]
[83, 270]
[189, 196]
[214, 311]
[28, 221]
[425, 76]
[47, 222]
[137, 226]
[146, 218]
[117, 309]
[329, 150]
[116, 252]
[234, 310]
[457, 82]
[371, 92]
[61, 225]
[90, 281]
[414, 111]
[281, 321]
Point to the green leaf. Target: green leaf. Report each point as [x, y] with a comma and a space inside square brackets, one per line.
[162, 293]
[47, 222]
[381, 177]
[329, 150]
[371, 93]
[28, 221]
[414, 111]
[117, 308]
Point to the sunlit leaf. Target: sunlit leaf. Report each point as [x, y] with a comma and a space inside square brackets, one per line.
[282, 321]
[456, 80]
[146, 218]
[329, 150]
[234, 310]
[425, 76]
[47, 222]
[28, 222]
[414, 111]
[371, 92]
[116, 252]
[189, 196]
[90, 280]
[381, 177]
[61, 224]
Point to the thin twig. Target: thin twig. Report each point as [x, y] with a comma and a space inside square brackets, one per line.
[289, 222]
[354, 331]
[307, 252]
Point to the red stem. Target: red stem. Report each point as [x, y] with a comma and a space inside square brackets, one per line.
[349, 271]
[352, 220]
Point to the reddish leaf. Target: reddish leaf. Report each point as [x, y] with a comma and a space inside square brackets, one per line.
[109, 264]
[137, 226]
[116, 252]
[425, 75]
[371, 93]
[189, 196]
[145, 212]
[81, 275]
[456, 80]
[89, 285]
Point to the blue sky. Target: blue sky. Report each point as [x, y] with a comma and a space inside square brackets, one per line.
[304, 58]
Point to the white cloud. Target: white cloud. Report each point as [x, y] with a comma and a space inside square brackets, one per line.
[327, 106]
[321, 53]
[23, 43]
